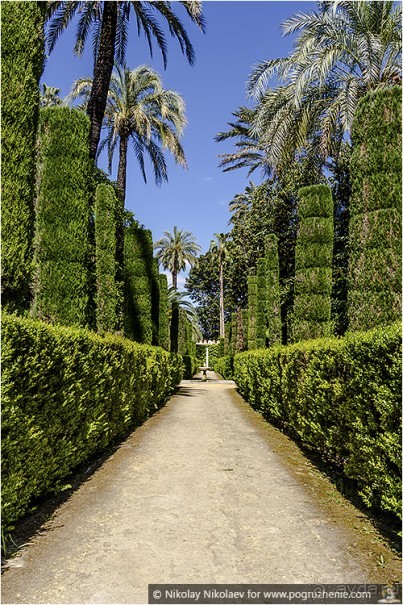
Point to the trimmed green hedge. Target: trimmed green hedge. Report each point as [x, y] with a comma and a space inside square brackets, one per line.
[67, 394]
[105, 246]
[139, 272]
[273, 310]
[313, 264]
[65, 190]
[21, 68]
[375, 271]
[225, 367]
[163, 321]
[341, 398]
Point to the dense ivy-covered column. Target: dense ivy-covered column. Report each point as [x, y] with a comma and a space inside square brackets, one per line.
[261, 303]
[105, 242]
[174, 328]
[374, 295]
[22, 64]
[163, 321]
[252, 304]
[64, 198]
[273, 305]
[313, 264]
[138, 272]
[245, 320]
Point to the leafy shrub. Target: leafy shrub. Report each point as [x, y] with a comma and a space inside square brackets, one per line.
[163, 321]
[22, 64]
[273, 307]
[67, 394]
[62, 290]
[339, 397]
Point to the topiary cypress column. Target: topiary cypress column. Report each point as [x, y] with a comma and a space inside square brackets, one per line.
[261, 302]
[234, 334]
[105, 246]
[245, 320]
[227, 337]
[22, 53]
[273, 304]
[374, 285]
[64, 196]
[138, 273]
[174, 331]
[313, 264]
[163, 321]
[252, 306]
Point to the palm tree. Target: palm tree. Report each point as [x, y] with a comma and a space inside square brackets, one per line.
[344, 50]
[141, 110]
[179, 298]
[219, 245]
[176, 249]
[109, 21]
[50, 96]
[249, 153]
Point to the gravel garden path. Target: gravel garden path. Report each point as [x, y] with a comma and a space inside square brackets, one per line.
[204, 492]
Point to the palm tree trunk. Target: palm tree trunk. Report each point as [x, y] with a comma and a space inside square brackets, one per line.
[121, 181]
[222, 325]
[174, 280]
[102, 73]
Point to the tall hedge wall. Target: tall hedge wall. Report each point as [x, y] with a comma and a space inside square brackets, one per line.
[163, 321]
[139, 277]
[273, 305]
[22, 52]
[105, 240]
[313, 264]
[64, 199]
[57, 414]
[341, 398]
[375, 288]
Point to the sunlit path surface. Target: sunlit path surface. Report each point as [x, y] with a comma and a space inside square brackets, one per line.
[203, 492]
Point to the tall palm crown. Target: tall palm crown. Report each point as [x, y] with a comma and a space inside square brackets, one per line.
[176, 249]
[343, 50]
[109, 23]
[141, 110]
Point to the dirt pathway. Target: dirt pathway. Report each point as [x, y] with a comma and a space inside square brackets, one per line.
[204, 492]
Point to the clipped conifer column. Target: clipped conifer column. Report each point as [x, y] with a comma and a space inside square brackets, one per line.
[374, 285]
[64, 196]
[227, 337]
[273, 306]
[139, 274]
[245, 320]
[163, 321]
[105, 245]
[22, 52]
[252, 304]
[313, 264]
[261, 302]
[234, 333]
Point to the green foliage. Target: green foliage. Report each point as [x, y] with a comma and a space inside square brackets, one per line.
[220, 349]
[22, 65]
[234, 334]
[313, 264]
[375, 286]
[213, 354]
[105, 241]
[67, 394]
[139, 274]
[65, 189]
[163, 321]
[273, 310]
[186, 345]
[341, 398]
[252, 298]
[174, 327]
[225, 367]
[261, 303]
[227, 337]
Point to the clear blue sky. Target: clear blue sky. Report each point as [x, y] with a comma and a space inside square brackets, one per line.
[238, 35]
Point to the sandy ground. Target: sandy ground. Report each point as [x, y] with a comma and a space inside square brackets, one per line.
[204, 492]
